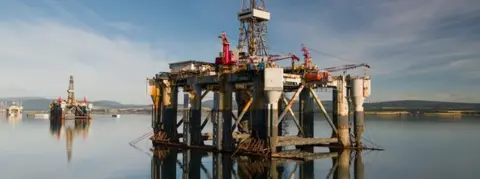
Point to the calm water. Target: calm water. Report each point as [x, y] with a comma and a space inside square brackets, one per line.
[430, 147]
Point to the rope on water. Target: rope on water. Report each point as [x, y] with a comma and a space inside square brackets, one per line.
[142, 137]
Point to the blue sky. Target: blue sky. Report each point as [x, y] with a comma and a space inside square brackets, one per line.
[417, 49]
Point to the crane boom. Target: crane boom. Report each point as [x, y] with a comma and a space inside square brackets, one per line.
[273, 58]
[345, 67]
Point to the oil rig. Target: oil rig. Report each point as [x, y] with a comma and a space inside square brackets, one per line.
[14, 109]
[70, 108]
[260, 87]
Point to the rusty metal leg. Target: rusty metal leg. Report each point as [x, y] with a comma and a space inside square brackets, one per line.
[341, 112]
[187, 139]
[154, 117]
[169, 119]
[282, 125]
[196, 120]
[272, 117]
[226, 111]
[157, 109]
[259, 125]
[159, 115]
[217, 122]
[306, 116]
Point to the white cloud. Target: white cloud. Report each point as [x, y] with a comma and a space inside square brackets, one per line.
[38, 56]
[402, 40]
[406, 32]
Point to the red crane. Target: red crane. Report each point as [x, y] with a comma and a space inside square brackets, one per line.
[308, 58]
[227, 58]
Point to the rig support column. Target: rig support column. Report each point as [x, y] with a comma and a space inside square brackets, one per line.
[187, 137]
[306, 116]
[196, 119]
[169, 118]
[359, 90]
[259, 126]
[155, 94]
[340, 104]
[217, 122]
[273, 87]
[281, 126]
[226, 90]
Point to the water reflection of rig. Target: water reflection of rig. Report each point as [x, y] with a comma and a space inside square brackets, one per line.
[70, 108]
[70, 129]
[165, 162]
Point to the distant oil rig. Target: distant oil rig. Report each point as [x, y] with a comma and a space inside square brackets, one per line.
[70, 108]
[11, 110]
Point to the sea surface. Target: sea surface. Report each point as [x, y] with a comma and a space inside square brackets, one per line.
[415, 147]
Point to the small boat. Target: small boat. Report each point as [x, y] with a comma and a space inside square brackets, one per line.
[41, 116]
[116, 115]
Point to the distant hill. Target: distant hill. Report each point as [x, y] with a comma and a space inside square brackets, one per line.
[38, 103]
[421, 105]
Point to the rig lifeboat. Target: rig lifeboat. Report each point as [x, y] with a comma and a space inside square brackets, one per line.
[316, 76]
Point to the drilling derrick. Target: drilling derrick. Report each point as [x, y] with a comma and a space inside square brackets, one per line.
[71, 92]
[253, 30]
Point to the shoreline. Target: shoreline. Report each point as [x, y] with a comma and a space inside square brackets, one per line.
[370, 113]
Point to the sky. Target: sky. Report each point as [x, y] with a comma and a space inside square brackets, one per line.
[426, 50]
